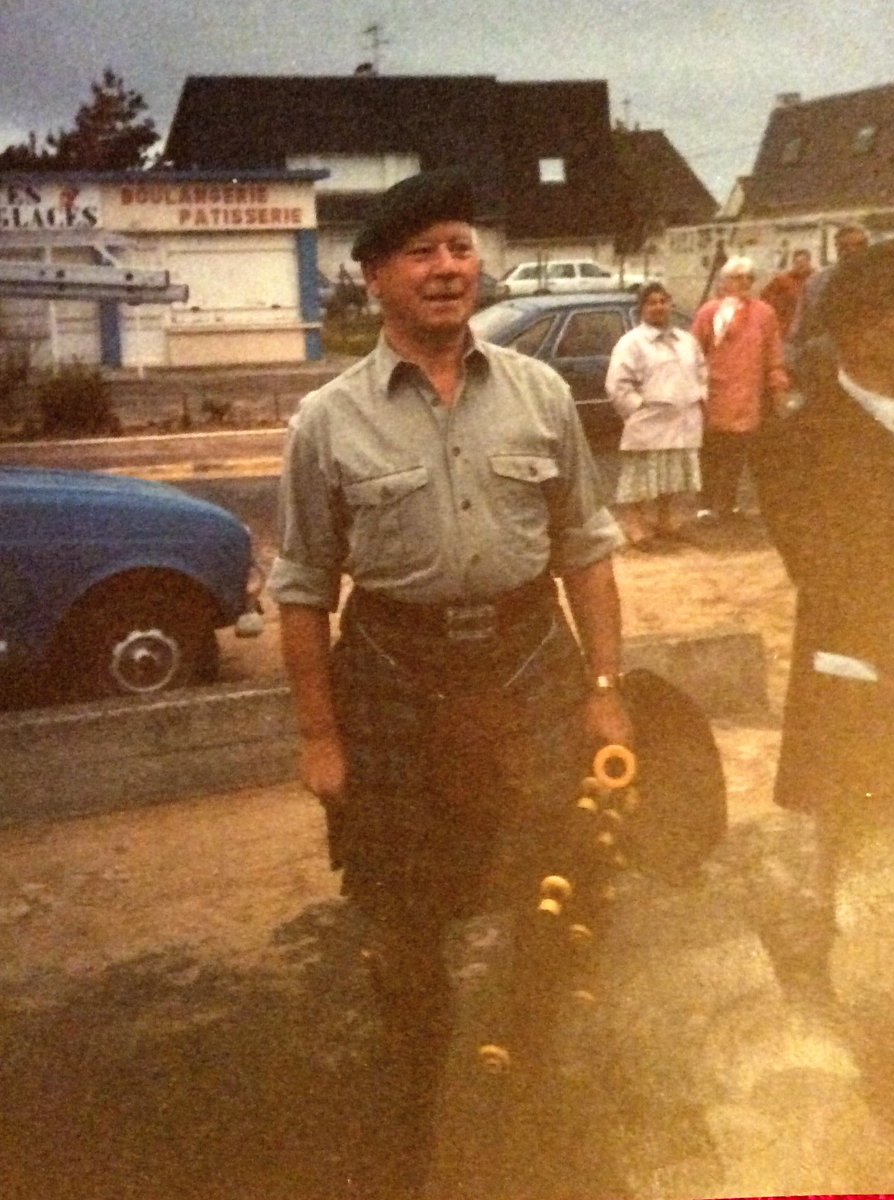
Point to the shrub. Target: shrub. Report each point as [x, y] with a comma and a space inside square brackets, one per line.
[76, 402]
[355, 334]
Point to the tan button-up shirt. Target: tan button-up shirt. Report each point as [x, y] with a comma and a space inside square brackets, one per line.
[429, 504]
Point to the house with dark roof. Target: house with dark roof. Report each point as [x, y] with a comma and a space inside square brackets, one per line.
[821, 164]
[665, 188]
[830, 156]
[542, 155]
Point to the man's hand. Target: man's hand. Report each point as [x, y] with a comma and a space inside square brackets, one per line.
[322, 767]
[607, 719]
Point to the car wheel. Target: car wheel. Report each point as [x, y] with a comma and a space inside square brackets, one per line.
[119, 644]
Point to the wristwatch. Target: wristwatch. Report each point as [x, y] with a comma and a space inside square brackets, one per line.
[607, 683]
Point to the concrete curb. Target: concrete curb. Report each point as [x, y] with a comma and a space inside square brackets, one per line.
[100, 757]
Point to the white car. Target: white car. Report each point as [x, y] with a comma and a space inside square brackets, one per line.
[564, 275]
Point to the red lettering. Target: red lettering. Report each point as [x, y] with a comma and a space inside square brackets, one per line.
[184, 216]
[199, 194]
[127, 195]
[201, 217]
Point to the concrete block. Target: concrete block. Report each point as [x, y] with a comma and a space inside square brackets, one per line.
[104, 756]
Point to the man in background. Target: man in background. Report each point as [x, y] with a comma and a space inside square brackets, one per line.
[833, 522]
[805, 334]
[784, 290]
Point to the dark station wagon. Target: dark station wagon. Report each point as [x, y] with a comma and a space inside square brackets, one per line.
[112, 586]
[575, 333]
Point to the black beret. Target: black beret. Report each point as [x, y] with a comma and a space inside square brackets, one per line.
[861, 287]
[413, 205]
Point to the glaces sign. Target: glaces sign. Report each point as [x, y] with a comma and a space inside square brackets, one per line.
[54, 206]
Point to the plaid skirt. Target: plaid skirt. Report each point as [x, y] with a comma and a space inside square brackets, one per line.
[462, 762]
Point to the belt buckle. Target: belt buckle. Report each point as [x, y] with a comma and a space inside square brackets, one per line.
[470, 622]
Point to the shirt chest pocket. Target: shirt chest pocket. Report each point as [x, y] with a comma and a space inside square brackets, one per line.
[524, 484]
[389, 520]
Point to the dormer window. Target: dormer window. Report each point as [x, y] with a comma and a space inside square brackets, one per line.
[552, 170]
[791, 151]
[865, 139]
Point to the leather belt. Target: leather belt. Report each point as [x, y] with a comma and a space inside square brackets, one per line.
[464, 621]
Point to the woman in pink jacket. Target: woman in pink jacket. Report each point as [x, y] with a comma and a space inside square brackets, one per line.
[747, 381]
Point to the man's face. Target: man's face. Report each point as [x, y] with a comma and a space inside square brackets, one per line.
[851, 242]
[656, 309]
[428, 288]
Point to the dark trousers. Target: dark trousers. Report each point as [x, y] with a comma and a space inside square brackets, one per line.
[723, 460]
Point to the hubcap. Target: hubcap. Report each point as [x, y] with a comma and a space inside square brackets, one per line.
[145, 661]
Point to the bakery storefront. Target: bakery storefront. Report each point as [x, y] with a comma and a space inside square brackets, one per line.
[243, 243]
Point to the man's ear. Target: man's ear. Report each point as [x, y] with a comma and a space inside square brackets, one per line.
[371, 277]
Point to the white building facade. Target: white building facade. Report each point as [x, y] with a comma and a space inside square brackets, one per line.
[243, 243]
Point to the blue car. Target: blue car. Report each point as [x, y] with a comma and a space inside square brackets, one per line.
[113, 586]
[575, 333]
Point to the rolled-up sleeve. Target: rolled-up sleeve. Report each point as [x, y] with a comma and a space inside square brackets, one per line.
[308, 566]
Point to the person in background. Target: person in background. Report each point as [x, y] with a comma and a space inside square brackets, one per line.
[833, 523]
[804, 340]
[451, 723]
[747, 380]
[657, 382]
[784, 290]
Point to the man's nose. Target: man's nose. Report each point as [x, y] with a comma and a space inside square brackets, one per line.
[444, 259]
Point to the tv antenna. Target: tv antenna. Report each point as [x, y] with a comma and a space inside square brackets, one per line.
[375, 42]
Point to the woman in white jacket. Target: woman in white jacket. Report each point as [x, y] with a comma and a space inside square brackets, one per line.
[657, 382]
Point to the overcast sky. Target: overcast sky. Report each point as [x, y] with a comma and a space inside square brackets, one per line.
[706, 72]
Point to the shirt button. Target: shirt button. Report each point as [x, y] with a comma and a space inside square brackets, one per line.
[466, 505]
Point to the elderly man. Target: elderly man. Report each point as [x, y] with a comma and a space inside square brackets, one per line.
[833, 522]
[739, 336]
[803, 341]
[452, 721]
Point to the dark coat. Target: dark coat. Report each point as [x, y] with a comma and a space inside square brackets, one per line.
[831, 514]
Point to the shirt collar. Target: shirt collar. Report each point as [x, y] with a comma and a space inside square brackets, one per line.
[653, 333]
[390, 367]
[879, 406]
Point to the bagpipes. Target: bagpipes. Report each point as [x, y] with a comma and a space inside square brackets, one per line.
[660, 810]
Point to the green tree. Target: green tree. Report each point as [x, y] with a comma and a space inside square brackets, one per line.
[111, 132]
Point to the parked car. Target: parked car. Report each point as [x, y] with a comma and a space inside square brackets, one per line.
[565, 275]
[114, 586]
[575, 334]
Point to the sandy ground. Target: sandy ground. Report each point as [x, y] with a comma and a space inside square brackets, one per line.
[133, 944]
[219, 872]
